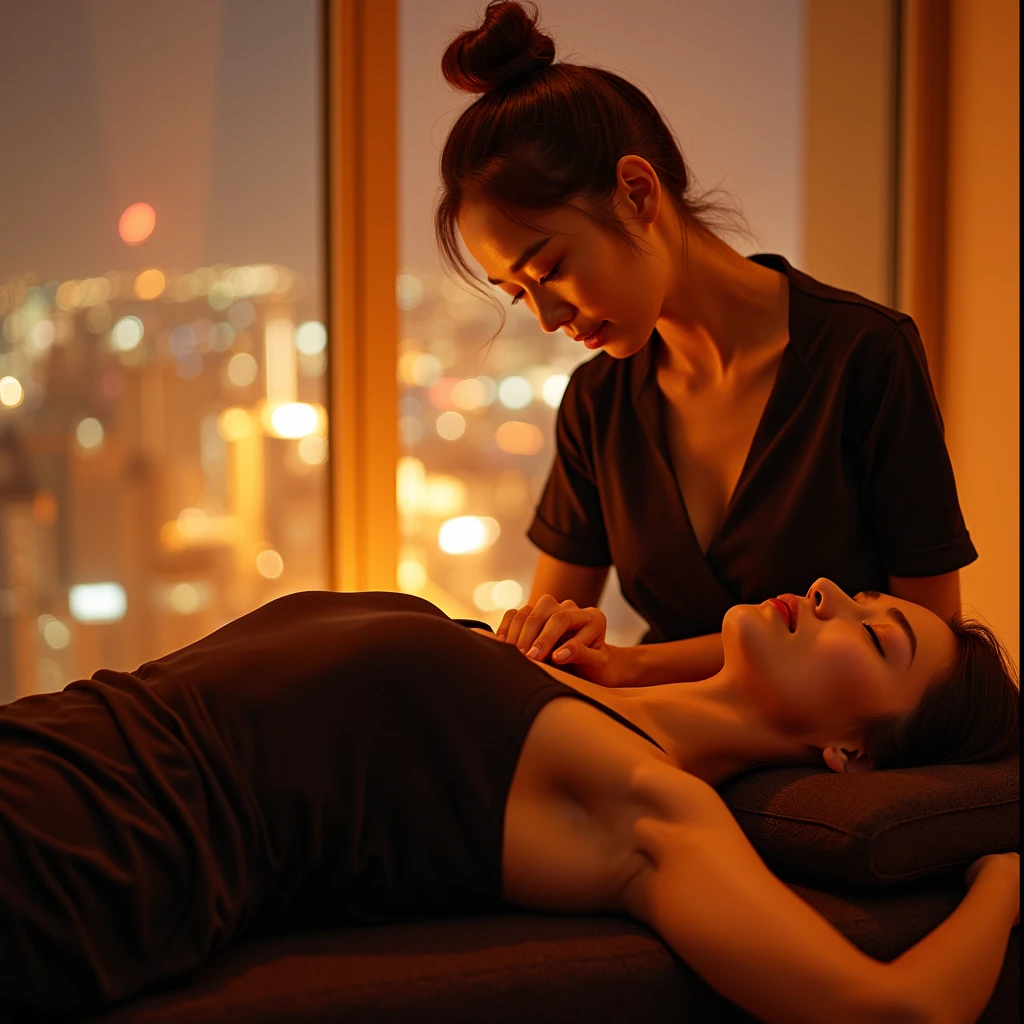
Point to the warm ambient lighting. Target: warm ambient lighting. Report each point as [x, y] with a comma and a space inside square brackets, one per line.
[55, 633]
[515, 392]
[12, 394]
[194, 528]
[495, 594]
[235, 423]
[311, 338]
[279, 361]
[474, 393]
[412, 576]
[187, 598]
[436, 494]
[553, 388]
[126, 334]
[137, 223]
[467, 535]
[293, 419]
[519, 438]
[450, 425]
[242, 369]
[313, 450]
[98, 602]
[150, 284]
[419, 368]
[89, 434]
[269, 564]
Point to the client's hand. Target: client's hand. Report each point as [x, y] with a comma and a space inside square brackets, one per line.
[572, 636]
[1009, 862]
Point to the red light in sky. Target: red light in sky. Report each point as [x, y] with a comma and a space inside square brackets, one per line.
[137, 223]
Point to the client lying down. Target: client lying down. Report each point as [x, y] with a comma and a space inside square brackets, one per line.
[345, 758]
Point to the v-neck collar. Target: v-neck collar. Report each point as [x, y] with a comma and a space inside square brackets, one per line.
[649, 403]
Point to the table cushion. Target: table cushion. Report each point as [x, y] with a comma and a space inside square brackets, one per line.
[515, 967]
[877, 828]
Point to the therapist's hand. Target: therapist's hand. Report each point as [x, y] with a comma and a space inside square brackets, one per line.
[538, 630]
[569, 636]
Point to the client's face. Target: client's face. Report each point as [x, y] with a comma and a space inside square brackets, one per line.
[814, 665]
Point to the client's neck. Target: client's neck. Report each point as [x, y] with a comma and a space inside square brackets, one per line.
[710, 730]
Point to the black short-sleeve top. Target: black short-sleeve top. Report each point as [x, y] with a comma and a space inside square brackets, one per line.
[847, 477]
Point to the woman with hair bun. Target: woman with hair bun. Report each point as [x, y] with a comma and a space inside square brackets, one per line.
[741, 427]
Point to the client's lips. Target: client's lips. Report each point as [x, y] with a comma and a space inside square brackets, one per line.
[788, 608]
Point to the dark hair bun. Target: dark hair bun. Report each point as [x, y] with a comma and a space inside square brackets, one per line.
[506, 48]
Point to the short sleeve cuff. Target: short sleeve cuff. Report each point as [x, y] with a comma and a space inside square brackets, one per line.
[577, 550]
[931, 561]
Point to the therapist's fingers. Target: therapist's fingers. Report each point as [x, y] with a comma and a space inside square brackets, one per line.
[587, 626]
[506, 622]
[545, 607]
[551, 619]
[529, 619]
[590, 633]
[517, 623]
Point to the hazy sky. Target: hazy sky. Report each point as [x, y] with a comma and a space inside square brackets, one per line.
[207, 109]
[210, 110]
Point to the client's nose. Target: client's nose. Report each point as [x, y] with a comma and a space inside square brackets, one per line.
[825, 597]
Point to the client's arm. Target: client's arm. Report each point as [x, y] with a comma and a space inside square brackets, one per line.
[710, 897]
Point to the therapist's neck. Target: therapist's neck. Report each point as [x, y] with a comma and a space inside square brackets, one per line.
[719, 306]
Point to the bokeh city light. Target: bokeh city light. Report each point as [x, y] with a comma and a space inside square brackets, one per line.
[136, 223]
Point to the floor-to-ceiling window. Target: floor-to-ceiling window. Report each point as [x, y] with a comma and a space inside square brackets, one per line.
[162, 349]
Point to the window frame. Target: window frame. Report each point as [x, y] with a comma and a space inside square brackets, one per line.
[361, 266]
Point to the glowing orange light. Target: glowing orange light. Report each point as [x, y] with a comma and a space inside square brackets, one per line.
[44, 508]
[518, 438]
[137, 223]
[150, 283]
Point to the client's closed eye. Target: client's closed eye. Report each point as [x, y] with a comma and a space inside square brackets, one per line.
[874, 639]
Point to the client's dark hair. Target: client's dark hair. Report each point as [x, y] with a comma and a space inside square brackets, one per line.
[542, 134]
[970, 713]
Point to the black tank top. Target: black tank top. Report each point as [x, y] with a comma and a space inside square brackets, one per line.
[328, 758]
[379, 740]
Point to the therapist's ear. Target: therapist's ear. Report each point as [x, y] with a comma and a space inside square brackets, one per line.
[845, 761]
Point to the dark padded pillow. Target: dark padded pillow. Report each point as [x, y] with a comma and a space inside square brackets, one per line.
[877, 828]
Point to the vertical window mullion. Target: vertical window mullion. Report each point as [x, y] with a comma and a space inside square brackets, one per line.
[362, 254]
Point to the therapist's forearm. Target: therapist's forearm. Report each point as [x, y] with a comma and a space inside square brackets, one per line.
[678, 661]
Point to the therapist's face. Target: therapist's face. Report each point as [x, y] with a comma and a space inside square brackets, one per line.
[579, 278]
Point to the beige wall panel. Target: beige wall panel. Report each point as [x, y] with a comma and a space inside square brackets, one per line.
[850, 102]
[981, 392]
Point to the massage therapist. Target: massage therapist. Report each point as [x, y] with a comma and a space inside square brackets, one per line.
[741, 429]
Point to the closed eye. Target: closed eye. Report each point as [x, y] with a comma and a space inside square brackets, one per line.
[551, 275]
[874, 639]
